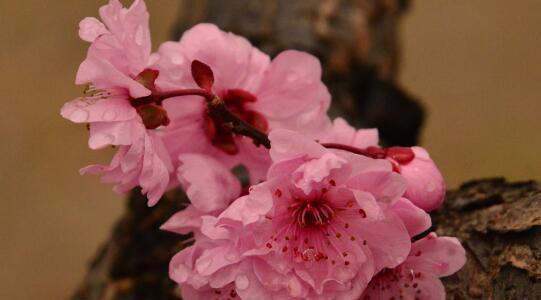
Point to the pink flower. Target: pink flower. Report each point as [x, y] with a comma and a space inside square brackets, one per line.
[116, 70]
[320, 227]
[284, 93]
[426, 186]
[418, 277]
[210, 187]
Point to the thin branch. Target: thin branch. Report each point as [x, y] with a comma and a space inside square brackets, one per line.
[217, 108]
[347, 148]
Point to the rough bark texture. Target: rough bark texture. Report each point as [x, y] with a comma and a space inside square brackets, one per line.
[499, 224]
[357, 42]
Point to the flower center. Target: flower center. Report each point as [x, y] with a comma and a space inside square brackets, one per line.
[221, 134]
[317, 228]
[311, 214]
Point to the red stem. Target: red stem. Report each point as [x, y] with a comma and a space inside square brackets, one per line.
[347, 148]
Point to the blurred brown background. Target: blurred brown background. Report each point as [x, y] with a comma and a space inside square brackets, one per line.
[475, 64]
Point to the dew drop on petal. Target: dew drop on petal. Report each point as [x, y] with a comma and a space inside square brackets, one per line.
[309, 254]
[431, 187]
[242, 282]
[84, 102]
[109, 115]
[79, 115]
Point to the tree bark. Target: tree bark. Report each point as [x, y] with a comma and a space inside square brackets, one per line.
[499, 224]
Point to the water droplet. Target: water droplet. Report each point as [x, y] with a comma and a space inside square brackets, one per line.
[292, 77]
[309, 254]
[139, 35]
[79, 116]
[109, 115]
[431, 187]
[84, 102]
[242, 282]
[100, 140]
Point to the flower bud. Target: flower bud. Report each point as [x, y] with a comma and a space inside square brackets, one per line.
[426, 187]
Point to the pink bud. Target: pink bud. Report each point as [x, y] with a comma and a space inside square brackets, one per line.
[426, 187]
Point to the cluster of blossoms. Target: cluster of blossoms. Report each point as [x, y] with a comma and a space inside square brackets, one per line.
[326, 214]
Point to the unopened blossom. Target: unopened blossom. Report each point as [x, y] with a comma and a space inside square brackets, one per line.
[418, 277]
[286, 92]
[426, 186]
[210, 187]
[320, 227]
[114, 105]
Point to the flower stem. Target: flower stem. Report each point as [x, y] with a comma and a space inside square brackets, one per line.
[217, 108]
[347, 148]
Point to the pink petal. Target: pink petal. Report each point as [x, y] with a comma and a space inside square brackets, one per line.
[415, 219]
[387, 239]
[253, 207]
[104, 75]
[286, 144]
[210, 186]
[185, 221]
[156, 170]
[103, 134]
[292, 85]
[88, 110]
[233, 60]
[131, 31]
[90, 28]
[343, 133]
[311, 174]
[385, 186]
[437, 256]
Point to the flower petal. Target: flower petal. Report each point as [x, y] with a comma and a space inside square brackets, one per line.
[210, 186]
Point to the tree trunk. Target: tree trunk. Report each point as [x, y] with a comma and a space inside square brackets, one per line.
[357, 42]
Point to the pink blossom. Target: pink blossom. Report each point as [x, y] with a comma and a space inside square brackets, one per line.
[418, 277]
[284, 93]
[426, 186]
[210, 187]
[320, 227]
[116, 70]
